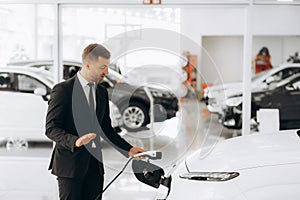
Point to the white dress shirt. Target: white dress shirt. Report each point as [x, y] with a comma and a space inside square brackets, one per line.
[86, 88]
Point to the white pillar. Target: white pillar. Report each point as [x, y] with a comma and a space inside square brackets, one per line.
[57, 54]
[247, 69]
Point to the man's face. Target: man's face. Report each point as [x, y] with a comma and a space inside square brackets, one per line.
[98, 69]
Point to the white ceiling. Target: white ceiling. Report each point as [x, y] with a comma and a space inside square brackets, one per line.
[164, 2]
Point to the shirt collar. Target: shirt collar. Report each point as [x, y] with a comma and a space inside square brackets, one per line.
[82, 80]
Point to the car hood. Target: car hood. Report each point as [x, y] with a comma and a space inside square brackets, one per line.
[226, 89]
[223, 86]
[234, 90]
[244, 152]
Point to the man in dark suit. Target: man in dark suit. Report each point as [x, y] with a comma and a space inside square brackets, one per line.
[78, 115]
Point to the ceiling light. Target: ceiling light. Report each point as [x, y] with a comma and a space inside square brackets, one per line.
[151, 2]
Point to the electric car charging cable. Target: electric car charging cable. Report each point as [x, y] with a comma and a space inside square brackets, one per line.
[153, 155]
[122, 170]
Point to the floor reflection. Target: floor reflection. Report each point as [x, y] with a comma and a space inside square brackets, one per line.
[193, 127]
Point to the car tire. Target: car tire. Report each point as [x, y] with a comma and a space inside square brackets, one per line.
[135, 116]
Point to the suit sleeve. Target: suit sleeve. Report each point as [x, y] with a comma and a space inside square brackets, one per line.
[55, 119]
[110, 135]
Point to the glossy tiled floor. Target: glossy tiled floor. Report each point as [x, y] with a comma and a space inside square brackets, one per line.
[24, 174]
[176, 138]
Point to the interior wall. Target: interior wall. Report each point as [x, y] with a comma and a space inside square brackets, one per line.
[280, 47]
[222, 30]
[225, 53]
[206, 26]
[276, 20]
[199, 21]
[291, 44]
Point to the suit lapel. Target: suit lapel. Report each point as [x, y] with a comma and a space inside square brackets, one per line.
[80, 108]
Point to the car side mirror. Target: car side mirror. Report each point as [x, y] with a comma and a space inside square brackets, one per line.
[272, 85]
[40, 91]
[289, 88]
[269, 80]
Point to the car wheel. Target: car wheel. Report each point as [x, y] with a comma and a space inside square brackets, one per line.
[16, 144]
[135, 116]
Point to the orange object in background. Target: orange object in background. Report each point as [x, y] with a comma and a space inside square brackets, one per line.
[205, 85]
[262, 61]
[190, 68]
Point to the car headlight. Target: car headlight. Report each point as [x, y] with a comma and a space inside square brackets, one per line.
[235, 101]
[161, 93]
[210, 176]
[156, 93]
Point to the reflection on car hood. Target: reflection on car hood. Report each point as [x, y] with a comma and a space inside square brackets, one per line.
[246, 152]
[224, 86]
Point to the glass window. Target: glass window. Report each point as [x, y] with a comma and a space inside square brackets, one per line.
[29, 84]
[70, 70]
[6, 82]
[111, 23]
[26, 32]
[26, 35]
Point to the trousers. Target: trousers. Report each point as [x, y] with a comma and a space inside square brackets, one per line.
[86, 188]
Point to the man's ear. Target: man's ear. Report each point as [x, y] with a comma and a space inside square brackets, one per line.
[87, 64]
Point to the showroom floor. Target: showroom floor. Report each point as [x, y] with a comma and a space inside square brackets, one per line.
[176, 138]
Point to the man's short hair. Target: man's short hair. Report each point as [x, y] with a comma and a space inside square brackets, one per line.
[93, 51]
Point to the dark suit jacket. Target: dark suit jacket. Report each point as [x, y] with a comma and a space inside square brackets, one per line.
[68, 118]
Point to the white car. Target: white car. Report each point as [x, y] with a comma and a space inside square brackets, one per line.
[253, 167]
[216, 95]
[71, 67]
[24, 93]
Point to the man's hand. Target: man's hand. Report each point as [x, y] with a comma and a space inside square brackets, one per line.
[85, 139]
[135, 150]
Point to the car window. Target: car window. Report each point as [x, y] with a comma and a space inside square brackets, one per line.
[70, 70]
[289, 71]
[29, 84]
[6, 82]
[285, 73]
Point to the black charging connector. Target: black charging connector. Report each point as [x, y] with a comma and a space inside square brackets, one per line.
[144, 171]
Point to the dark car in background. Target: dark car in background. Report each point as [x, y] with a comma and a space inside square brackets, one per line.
[214, 96]
[134, 104]
[131, 100]
[284, 96]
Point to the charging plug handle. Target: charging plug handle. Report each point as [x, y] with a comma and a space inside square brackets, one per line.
[153, 155]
